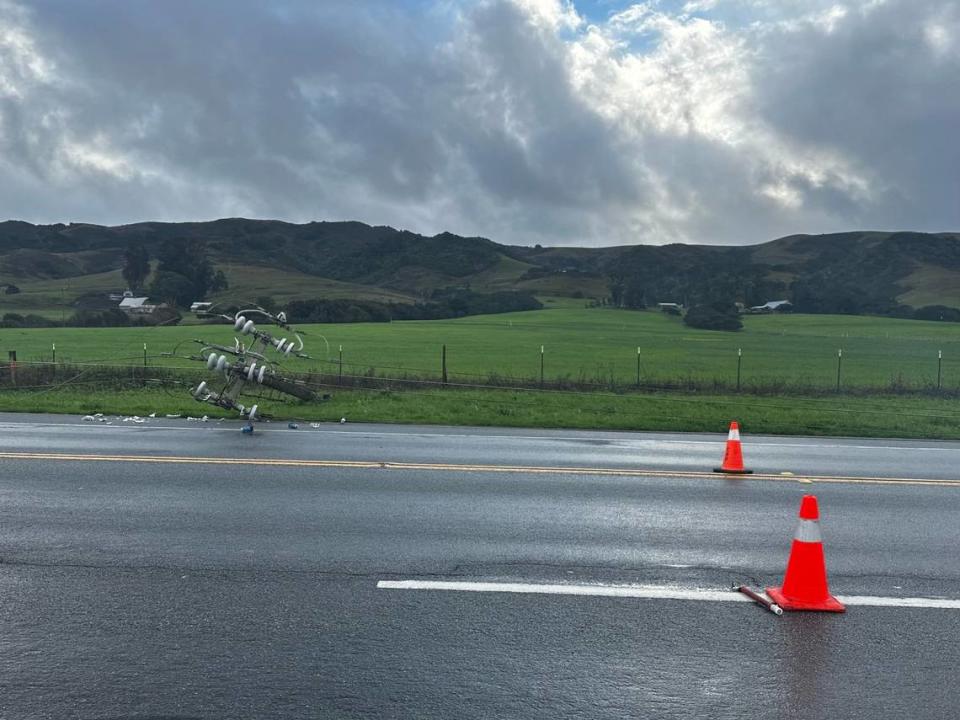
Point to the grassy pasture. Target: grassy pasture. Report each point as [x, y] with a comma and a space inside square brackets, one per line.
[588, 344]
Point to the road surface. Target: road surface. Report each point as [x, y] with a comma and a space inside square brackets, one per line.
[181, 569]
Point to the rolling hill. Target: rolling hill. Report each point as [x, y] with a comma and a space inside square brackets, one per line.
[853, 272]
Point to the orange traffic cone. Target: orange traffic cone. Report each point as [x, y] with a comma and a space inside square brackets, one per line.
[733, 457]
[805, 582]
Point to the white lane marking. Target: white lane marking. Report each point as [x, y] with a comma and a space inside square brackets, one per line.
[872, 601]
[623, 591]
[624, 442]
[653, 592]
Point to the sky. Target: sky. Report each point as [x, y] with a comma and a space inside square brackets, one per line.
[559, 122]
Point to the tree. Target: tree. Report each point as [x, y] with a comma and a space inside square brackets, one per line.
[172, 287]
[185, 273]
[136, 265]
[937, 312]
[634, 295]
[718, 316]
[219, 282]
[268, 303]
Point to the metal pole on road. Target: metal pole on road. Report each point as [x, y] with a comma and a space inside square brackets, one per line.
[839, 360]
[340, 368]
[638, 366]
[939, 366]
[739, 359]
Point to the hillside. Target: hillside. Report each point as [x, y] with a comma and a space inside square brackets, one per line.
[855, 272]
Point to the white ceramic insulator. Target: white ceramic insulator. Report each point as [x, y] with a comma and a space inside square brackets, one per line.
[247, 327]
[238, 323]
[263, 371]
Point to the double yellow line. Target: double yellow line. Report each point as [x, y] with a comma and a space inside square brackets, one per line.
[469, 468]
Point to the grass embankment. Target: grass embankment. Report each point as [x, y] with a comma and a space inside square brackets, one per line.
[877, 416]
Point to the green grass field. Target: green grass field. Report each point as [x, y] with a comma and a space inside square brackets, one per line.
[798, 351]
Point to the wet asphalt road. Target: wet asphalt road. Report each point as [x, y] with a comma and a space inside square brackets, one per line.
[136, 589]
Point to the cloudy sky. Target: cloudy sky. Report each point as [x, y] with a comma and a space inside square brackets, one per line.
[583, 122]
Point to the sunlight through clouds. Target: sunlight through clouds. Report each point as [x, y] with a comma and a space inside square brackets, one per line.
[526, 121]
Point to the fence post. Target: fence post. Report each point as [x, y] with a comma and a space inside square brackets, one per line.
[541, 366]
[939, 366]
[739, 359]
[13, 367]
[340, 368]
[839, 361]
[443, 364]
[638, 366]
[54, 353]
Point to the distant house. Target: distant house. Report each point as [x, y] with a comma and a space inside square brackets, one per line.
[773, 306]
[136, 306]
[200, 306]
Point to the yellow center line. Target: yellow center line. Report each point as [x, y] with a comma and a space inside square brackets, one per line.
[449, 467]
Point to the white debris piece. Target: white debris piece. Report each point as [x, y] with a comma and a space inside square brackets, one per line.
[172, 416]
[153, 414]
[88, 418]
[314, 425]
[204, 418]
[343, 420]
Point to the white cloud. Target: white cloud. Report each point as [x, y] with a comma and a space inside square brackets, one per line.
[706, 121]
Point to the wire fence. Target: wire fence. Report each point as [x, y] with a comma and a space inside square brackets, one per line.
[121, 374]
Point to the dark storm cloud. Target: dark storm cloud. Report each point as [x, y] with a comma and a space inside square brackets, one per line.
[513, 119]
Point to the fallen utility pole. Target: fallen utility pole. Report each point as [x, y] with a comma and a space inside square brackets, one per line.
[761, 600]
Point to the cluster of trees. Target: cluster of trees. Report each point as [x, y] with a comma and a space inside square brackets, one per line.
[16, 320]
[690, 276]
[89, 318]
[937, 312]
[714, 316]
[446, 303]
[184, 272]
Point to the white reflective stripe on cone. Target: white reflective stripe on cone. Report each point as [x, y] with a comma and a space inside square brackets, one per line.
[808, 531]
[734, 435]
